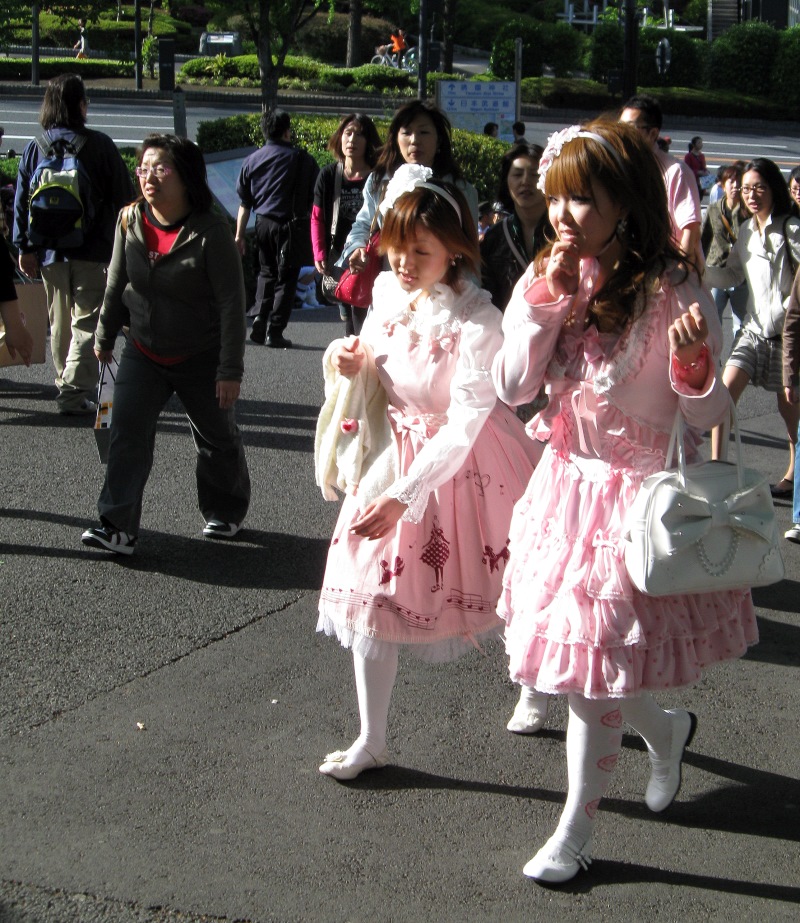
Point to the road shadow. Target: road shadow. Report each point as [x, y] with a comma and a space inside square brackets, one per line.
[254, 558]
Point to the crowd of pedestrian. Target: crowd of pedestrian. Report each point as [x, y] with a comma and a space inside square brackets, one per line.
[490, 417]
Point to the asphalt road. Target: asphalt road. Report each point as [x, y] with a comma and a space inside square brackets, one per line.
[162, 717]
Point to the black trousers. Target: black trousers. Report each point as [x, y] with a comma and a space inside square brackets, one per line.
[277, 282]
[141, 390]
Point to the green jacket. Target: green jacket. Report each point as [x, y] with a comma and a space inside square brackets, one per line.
[191, 300]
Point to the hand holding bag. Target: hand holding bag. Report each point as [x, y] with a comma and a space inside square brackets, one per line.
[355, 288]
[702, 528]
[333, 273]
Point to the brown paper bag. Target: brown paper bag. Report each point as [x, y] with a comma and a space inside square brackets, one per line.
[33, 307]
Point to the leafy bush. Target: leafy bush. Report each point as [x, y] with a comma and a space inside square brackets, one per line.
[558, 45]
[89, 68]
[607, 50]
[478, 155]
[785, 83]
[380, 78]
[741, 59]
[687, 59]
[105, 32]
[327, 41]
[478, 22]
[197, 16]
[502, 61]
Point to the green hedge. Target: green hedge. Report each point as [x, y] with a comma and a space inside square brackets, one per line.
[558, 45]
[785, 71]
[105, 33]
[327, 41]
[607, 51]
[90, 68]
[742, 59]
[478, 155]
[687, 59]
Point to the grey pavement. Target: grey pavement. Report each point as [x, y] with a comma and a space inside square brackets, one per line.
[163, 716]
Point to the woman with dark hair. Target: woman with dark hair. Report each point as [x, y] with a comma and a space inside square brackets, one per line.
[794, 191]
[338, 196]
[73, 268]
[509, 246]
[695, 159]
[719, 233]
[176, 280]
[420, 133]
[625, 336]
[765, 256]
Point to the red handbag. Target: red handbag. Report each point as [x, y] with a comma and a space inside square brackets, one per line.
[355, 288]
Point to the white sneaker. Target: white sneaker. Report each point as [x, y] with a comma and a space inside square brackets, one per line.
[109, 539]
[557, 862]
[216, 528]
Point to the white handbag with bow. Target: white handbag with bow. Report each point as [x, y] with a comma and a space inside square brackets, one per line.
[702, 528]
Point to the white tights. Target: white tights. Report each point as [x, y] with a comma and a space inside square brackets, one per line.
[374, 684]
[594, 739]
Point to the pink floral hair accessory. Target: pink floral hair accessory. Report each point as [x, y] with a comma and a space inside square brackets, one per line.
[556, 142]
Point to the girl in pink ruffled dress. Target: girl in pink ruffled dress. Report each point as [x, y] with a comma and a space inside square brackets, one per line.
[623, 334]
[421, 565]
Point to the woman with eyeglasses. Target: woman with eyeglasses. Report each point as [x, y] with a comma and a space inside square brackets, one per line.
[794, 191]
[176, 280]
[723, 219]
[765, 256]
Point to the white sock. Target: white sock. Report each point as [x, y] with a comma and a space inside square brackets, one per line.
[594, 738]
[651, 722]
[533, 700]
[374, 684]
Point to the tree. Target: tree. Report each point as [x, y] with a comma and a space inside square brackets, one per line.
[274, 24]
[354, 33]
[11, 13]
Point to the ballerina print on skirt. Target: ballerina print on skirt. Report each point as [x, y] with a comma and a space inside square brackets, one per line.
[435, 553]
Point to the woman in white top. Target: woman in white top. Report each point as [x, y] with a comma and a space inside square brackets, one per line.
[766, 256]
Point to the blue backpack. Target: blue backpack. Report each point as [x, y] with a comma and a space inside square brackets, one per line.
[60, 209]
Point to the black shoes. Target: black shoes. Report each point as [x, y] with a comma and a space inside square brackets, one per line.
[258, 333]
[276, 340]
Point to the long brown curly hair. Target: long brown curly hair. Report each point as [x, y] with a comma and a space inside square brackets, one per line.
[633, 180]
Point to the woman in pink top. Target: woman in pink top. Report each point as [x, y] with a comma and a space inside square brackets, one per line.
[623, 335]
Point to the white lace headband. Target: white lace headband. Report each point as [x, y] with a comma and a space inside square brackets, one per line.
[558, 139]
[408, 177]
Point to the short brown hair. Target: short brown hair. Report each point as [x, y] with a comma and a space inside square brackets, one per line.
[424, 206]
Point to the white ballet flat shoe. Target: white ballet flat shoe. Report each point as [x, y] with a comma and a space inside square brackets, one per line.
[557, 862]
[528, 718]
[336, 764]
[665, 777]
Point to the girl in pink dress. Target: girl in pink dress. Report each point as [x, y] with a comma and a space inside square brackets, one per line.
[422, 564]
[623, 334]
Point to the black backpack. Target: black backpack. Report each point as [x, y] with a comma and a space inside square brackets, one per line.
[60, 209]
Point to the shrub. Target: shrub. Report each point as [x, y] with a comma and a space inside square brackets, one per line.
[742, 58]
[478, 22]
[563, 47]
[197, 16]
[687, 59]
[785, 85]
[381, 78]
[558, 45]
[501, 63]
[327, 41]
[478, 155]
[90, 68]
[607, 50]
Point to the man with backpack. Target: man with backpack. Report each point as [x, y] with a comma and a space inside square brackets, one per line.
[72, 183]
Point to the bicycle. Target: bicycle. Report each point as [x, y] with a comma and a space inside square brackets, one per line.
[409, 63]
